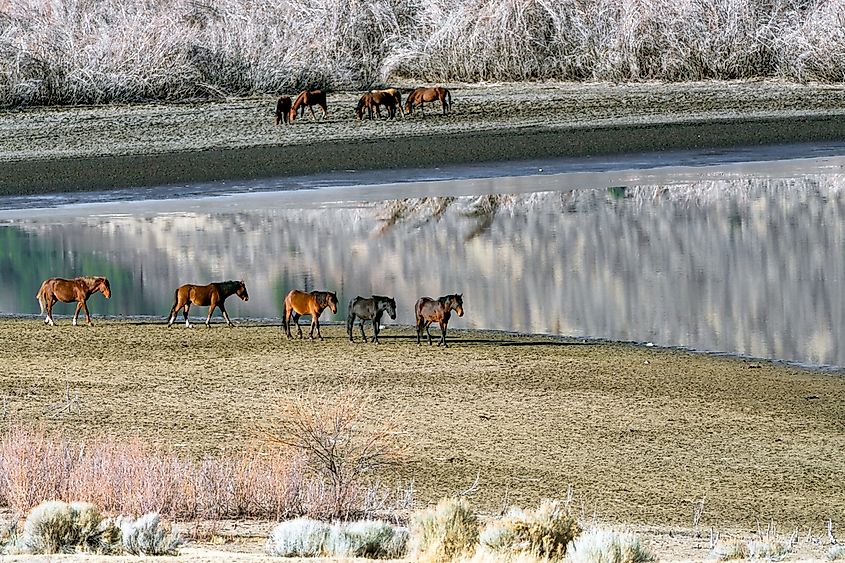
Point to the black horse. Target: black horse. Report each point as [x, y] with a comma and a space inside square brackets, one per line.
[370, 310]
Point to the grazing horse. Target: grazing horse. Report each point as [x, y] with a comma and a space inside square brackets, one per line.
[369, 309]
[397, 95]
[371, 101]
[421, 95]
[309, 98]
[299, 303]
[428, 310]
[211, 295]
[77, 289]
[283, 106]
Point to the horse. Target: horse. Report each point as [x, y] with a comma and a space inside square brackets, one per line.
[370, 309]
[211, 295]
[283, 106]
[428, 310]
[299, 303]
[77, 289]
[397, 95]
[371, 101]
[309, 98]
[421, 95]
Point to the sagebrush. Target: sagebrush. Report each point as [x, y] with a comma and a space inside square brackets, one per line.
[544, 532]
[446, 532]
[97, 51]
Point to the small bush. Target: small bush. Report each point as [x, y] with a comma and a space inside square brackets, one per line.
[147, 536]
[301, 537]
[373, 539]
[544, 532]
[446, 532]
[752, 549]
[607, 546]
[836, 553]
[59, 527]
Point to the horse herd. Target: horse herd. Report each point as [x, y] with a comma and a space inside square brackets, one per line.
[371, 102]
[297, 304]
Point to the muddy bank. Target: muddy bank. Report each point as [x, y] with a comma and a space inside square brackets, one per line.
[96, 148]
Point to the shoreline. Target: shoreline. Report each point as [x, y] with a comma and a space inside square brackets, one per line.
[47, 150]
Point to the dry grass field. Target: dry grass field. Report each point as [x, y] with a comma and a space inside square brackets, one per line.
[640, 433]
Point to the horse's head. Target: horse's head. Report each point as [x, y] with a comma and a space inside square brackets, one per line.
[458, 304]
[389, 305]
[104, 287]
[292, 114]
[331, 301]
[241, 291]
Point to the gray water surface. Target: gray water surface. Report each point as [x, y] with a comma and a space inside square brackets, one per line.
[745, 258]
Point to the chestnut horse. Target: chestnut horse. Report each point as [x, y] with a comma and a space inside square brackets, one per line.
[428, 310]
[309, 98]
[77, 289]
[421, 95]
[299, 303]
[211, 295]
[283, 106]
[397, 95]
[371, 101]
[370, 309]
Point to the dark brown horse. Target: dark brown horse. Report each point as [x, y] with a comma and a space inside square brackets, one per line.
[369, 309]
[211, 296]
[428, 310]
[421, 95]
[309, 98]
[372, 101]
[77, 289]
[283, 105]
[299, 303]
[397, 95]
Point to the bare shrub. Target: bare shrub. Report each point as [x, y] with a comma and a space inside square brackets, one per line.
[131, 478]
[443, 533]
[147, 536]
[344, 451]
[609, 546]
[544, 532]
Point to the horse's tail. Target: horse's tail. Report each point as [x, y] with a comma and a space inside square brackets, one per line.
[42, 299]
[448, 100]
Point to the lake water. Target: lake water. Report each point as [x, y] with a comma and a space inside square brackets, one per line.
[745, 258]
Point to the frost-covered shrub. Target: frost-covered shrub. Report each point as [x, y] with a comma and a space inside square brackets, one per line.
[147, 536]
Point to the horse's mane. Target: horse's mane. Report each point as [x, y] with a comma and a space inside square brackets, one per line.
[89, 281]
[229, 286]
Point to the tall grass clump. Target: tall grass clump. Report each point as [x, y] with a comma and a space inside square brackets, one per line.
[130, 477]
[100, 51]
[443, 533]
[544, 532]
[148, 536]
[59, 527]
[305, 537]
[607, 546]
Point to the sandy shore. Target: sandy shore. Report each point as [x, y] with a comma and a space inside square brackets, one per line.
[46, 150]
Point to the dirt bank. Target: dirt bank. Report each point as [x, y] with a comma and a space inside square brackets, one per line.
[91, 148]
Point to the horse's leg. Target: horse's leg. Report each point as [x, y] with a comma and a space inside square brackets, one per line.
[363, 334]
[76, 313]
[286, 322]
[350, 324]
[376, 323]
[173, 313]
[325, 109]
[296, 320]
[428, 331]
[185, 310]
[314, 115]
[225, 314]
[50, 302]
[443, 335]
[87, 314]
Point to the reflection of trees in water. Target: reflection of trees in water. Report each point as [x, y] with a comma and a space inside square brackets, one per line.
[754, 266]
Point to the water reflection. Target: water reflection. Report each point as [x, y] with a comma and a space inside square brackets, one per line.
[753, 266]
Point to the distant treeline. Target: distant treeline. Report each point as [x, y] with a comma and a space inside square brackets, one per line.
[98, 51]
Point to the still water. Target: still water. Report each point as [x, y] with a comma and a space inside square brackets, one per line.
[746, 259]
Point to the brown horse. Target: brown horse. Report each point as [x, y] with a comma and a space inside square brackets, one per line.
[283, 105]
[371, 101]
[211, 295]
[428, 310]
[397, 95]
[309, 98]
[421, 95]
[77, 289]
[299, 303]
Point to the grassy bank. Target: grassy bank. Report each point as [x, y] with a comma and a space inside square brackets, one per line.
[109, 147]
[641, 434]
